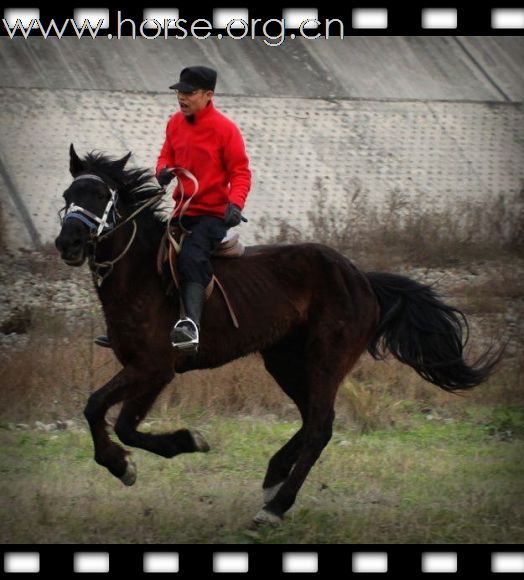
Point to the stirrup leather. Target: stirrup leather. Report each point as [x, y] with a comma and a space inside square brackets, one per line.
[188, 342]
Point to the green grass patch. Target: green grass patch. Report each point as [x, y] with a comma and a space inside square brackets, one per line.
[432, 482]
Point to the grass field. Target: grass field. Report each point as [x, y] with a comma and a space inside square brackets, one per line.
[432, 481]
[408, 463]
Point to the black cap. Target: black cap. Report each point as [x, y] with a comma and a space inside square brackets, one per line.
[193, 78]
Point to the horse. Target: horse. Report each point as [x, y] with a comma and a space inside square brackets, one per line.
[306, 308]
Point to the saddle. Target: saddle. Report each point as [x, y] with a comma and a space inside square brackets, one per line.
[230, 246]
[170, 246]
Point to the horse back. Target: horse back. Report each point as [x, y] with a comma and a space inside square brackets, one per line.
[276, 290]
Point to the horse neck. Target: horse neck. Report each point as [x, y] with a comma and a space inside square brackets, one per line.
[136, 267]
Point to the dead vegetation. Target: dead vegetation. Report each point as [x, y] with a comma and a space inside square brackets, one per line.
[475, 259]
[400, 233]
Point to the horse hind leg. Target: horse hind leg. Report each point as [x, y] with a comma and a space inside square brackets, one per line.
[288, 372]
[280, 466]
[326, 363]
[314, 436]
[165, 444]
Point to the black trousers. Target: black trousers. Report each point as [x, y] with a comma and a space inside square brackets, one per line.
[194, 261]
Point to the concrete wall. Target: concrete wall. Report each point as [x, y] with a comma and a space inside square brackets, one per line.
[436, 118]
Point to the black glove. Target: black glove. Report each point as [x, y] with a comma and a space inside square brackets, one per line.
[164, 177]
[232, 215]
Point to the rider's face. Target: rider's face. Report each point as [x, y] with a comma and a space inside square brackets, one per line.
[191, 103]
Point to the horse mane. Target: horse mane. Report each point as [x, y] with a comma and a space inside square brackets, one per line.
[134, 186]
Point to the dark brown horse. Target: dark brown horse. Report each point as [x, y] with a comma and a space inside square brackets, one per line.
[306, 308]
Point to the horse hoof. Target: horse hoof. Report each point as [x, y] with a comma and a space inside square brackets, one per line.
[271, 492]
[266, 518]
[200, 442]
[129, 476]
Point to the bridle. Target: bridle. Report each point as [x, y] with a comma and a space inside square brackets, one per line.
[88, 218]
[97, 225]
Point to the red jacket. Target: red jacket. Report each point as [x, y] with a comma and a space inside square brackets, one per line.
[212, 149]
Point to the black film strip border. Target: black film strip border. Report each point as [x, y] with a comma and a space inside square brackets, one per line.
[334, 561]
[402, 19]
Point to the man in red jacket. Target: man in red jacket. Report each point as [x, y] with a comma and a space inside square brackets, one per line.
[206, 143]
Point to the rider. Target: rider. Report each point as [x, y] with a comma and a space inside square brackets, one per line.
[203, 141]
[206, 143]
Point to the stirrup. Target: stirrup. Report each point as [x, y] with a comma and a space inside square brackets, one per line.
[181, 339]
[102, 341]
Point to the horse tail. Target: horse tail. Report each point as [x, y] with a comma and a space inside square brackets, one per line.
[420, 330]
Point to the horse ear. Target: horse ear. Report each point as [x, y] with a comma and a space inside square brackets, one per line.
[121, 163]
[75, 163]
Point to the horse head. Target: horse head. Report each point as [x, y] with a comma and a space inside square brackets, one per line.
[90, 207]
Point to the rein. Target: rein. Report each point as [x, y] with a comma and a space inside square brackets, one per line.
[109, 264]
[181, 207]
[96, 267]
[91, 221]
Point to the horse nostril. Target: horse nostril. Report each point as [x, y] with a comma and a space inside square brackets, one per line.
[68, 246]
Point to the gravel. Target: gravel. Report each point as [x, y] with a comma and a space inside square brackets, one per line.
[35, 285]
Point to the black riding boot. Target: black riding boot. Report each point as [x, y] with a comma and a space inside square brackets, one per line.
[185, 333]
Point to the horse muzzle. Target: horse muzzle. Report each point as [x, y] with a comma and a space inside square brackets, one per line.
[72, 252]
[77, 261]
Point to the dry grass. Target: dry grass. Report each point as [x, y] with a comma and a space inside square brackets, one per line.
[51, 378]
[493, 292]
[52, 375]
[400, 233]
[56, 383]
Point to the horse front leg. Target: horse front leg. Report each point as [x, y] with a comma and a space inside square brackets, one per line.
[167, 445]
[107, 453]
